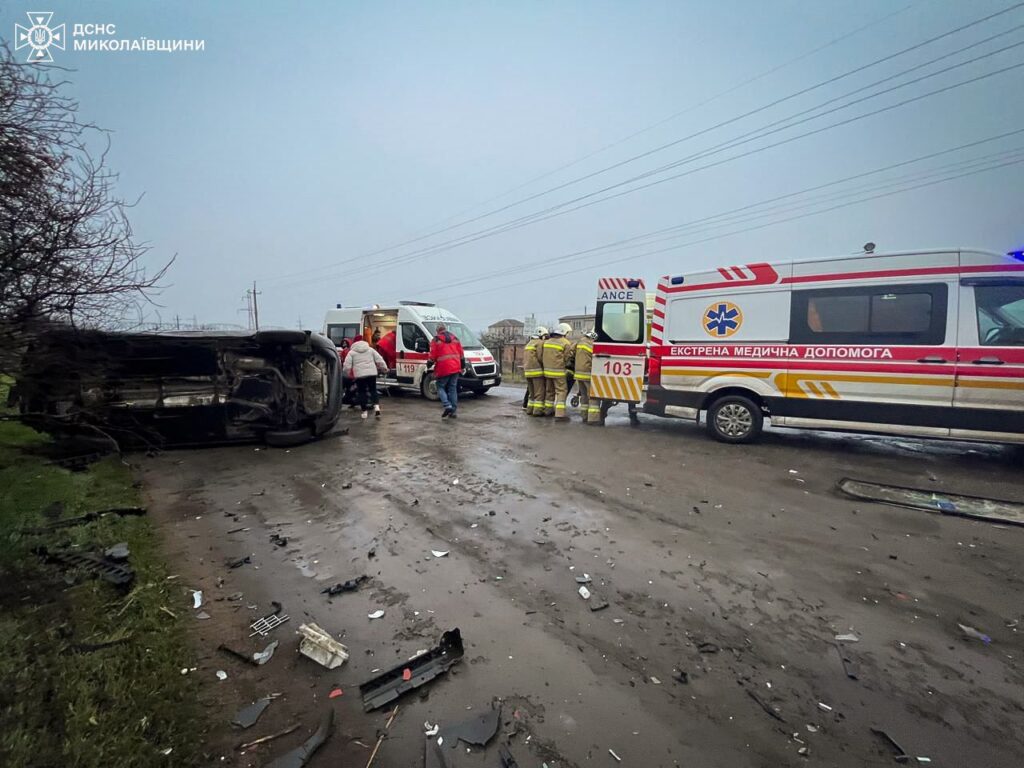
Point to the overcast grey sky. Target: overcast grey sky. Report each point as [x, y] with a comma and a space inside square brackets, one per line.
[307, 136]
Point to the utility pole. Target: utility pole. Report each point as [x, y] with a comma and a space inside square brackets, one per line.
[255, 306]
[248, 308]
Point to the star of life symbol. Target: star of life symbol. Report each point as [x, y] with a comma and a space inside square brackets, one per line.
[722, 319]
[39, 37]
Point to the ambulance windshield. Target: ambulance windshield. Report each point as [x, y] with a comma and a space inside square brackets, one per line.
[460, 331]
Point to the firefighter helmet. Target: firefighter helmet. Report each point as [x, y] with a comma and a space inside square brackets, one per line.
[564, 328]
[542, 331]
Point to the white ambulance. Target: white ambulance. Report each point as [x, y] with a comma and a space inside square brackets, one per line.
[414, 324]
[925, 343]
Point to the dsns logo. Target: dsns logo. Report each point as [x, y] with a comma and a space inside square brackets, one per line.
[39, 36]
[722, 319]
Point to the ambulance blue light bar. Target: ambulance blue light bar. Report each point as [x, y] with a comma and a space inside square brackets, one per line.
[1018, 255]
[632, 283]
[677, 280]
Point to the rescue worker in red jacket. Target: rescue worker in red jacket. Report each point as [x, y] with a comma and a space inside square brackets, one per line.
[448, 361]
[386, 348]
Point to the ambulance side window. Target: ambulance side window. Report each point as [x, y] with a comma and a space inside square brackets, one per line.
[339, 331]
[621, 322]
[898, 314]
[1000, 314]
[411, 334]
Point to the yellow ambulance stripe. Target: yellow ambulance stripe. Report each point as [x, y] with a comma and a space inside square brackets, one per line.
[813, 388]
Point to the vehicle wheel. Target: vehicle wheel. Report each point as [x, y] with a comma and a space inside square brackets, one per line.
[483, 390]
[428, 387]
[735, 419]
[280, 337]
[286, 438]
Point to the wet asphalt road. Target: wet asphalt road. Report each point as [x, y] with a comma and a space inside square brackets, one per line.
[735, 565]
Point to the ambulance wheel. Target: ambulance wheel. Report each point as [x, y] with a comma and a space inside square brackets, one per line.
[735, 419]
[428, 387]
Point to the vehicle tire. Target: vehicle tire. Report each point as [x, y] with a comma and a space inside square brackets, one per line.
[286, 438]
[428, 387]
[280, 337]
[482, 391]
[735, 419]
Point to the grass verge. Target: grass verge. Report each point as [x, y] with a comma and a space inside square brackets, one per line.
[121, 705]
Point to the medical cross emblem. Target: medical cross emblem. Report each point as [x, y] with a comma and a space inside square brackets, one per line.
[722, 319]
[39, 37]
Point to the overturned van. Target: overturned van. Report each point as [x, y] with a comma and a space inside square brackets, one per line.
[182, 388]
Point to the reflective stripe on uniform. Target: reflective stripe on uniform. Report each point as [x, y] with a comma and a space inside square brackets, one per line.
[582, 377]
[560, 407]
[581, 345]
[554, 374]
[534, 374]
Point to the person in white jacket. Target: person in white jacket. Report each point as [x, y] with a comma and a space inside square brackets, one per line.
[363, 363]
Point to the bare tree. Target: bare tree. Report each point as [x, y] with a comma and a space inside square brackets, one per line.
[67, 251]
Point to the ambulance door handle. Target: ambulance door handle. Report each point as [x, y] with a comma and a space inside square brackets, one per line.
[932, 359]
[987, 361]
[602, 355]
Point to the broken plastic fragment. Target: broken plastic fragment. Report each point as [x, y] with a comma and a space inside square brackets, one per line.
[262, 657]
[430, 730]
[439, 553]
[584, 593]
[300, 756]
[222, 675]
[375, 615]
[202, 615]
[247, 716]
[612, 753]
[973, 633]
[335, 693]
[655, 680]
[197, 598]
[584, 579]
[824, 707]
[477, 730]
[319, 646]
[407, 674]
[848, 638]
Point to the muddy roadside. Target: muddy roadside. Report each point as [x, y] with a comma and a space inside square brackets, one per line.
[728, 572]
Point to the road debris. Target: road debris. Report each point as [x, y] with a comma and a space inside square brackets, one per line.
[197, 598]
[707, 648]
[824, 707]
[974, 634]
[247, 716]
[299, 756]
[222, 675]
[681, 677]
[344, 586]
[507, 761]
[612, 753]
[335, 693]
[376, 614]
[270, 737]
[262, 657]
[380, 739]
[118, 552]
[202, 615]
[430, 730]
[238, 562]
[86, 518]
[278, 540]
[477, 730]
[597, 603]
[391, 684]
[899, 754]
[655, 680]
[765, 706]
[584, 593]
[584, 579]
[263, 626]
[990, 510]
[90, 562]
[439, 553]
[849, 665]
[847, 638]
[318, 645]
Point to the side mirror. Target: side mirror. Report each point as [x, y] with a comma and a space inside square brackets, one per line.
[421, 345]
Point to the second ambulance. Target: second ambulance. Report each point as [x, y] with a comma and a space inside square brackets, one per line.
[927, 343]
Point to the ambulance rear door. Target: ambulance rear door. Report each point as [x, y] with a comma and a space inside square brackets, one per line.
[413, 347]
[620, 352]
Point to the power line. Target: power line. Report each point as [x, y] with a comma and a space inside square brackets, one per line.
[636, 240]
[557, 210]
[749, 229]
[685, 138]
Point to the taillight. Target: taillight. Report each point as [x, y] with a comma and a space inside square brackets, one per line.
[654, 370]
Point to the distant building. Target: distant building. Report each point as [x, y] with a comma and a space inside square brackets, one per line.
[580, 324]
[508, 330]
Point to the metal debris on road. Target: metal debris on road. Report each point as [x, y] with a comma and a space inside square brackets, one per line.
[376, 614]
[975, 634]
[263, 626]
[299, 756]
[824, 707]
[318, 645]
[247, 716]
[270, 737]
[344, 586]
[899, 754]
[389, 685]
[989, 510]
[93, 563]
[612, 753]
